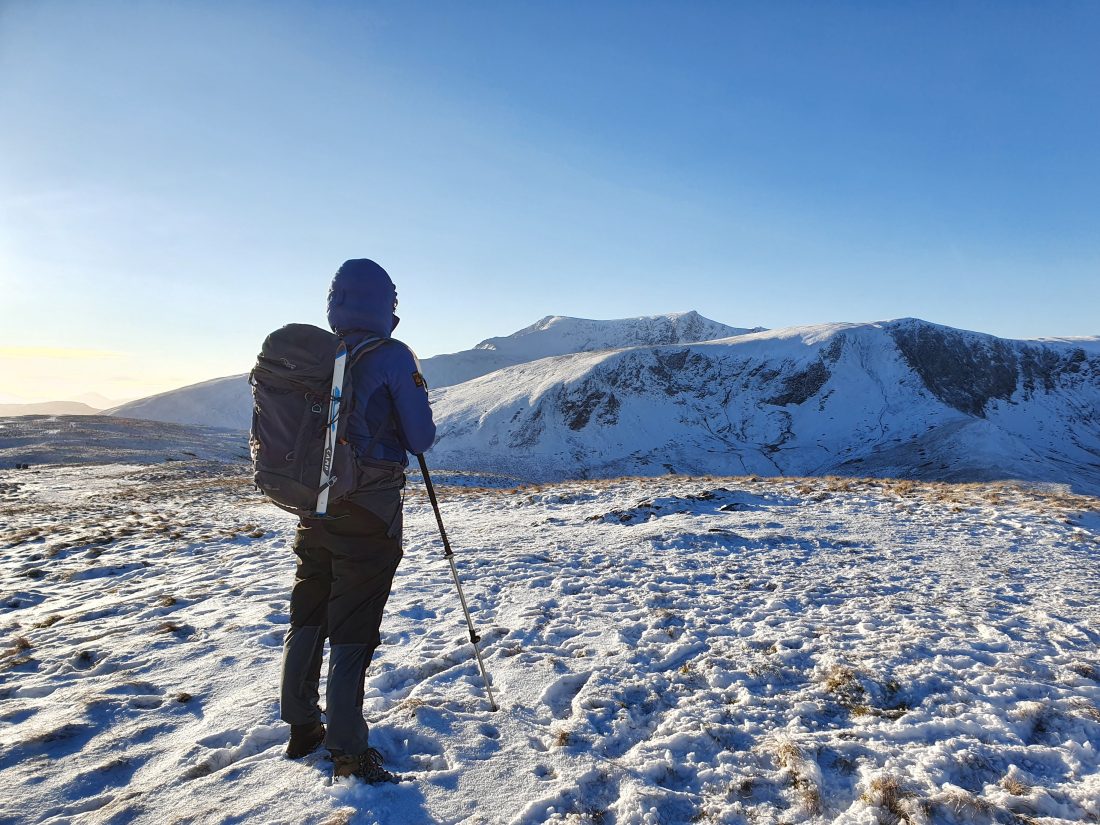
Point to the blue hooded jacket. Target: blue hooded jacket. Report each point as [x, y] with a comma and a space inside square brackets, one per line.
[390, 414]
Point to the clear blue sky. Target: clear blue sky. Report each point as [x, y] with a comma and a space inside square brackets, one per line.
[178, 178]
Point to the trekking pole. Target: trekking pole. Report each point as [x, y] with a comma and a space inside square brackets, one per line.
[449, 555]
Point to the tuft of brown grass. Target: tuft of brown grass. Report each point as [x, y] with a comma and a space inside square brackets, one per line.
[842, 683]
[412, 704]
[968, 804]
[1085, 708]
[893, 801]
[790, 757]
[1015, 786]
[562, 737]
[13, 657]
[1086, 670]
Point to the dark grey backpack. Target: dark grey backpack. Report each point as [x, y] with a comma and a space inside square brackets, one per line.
[302, 393]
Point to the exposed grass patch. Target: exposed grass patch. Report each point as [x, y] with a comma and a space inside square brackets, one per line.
[1083, 707]
[1086, 670]
[803, 774]
[344, 816]
[895, 804]
[842, 683]
[968, 805]
[14, 656]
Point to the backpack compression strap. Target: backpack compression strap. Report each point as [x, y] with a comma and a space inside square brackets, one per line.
[335, 398]
[339, 367]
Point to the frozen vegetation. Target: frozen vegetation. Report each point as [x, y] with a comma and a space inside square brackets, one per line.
[664, 650]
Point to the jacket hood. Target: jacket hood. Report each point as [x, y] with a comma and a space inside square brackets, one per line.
[362, 297]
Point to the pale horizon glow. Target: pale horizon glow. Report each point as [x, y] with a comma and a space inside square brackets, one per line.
[187, 180]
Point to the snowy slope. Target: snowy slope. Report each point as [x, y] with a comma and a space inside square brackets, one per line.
[559, 335]
[1089, 343]
[227, 402]
[664, 651]
[220, 402]
[901, 398]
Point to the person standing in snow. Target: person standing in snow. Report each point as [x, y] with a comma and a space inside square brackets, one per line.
[346, 564]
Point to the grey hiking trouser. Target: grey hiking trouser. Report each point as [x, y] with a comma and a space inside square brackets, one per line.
[345, 570]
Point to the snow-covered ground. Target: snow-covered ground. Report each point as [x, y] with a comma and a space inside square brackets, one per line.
[665, 650]
[83, 439]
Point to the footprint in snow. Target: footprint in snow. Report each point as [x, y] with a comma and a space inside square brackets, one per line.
[418, 612]
[489, 731]
[273, 638]
[561, 692]
[234, 746]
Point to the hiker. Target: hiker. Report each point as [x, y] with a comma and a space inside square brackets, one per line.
[346, 562]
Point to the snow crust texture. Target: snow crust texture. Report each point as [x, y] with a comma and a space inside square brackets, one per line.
[664, 650]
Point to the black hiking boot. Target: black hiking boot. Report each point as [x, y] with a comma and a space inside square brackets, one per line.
[366, 766]
[304, 739]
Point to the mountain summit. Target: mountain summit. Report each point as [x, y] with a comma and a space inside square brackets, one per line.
[561, 335]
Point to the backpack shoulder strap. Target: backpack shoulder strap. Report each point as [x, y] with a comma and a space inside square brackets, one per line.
[365, 346]
[415, 359]
[358, 351]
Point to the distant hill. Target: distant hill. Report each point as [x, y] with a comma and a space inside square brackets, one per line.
[220, 402]
[48, 408]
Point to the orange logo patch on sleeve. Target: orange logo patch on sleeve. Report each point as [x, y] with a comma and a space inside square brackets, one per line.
[418, 379]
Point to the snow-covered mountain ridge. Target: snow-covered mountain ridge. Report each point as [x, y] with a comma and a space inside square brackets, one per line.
[560, 335]
[227, 402]
[903, 398]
